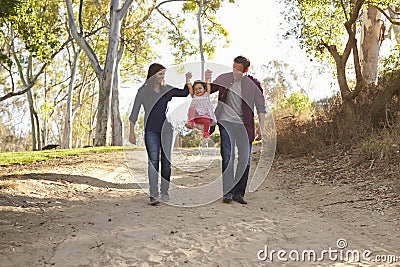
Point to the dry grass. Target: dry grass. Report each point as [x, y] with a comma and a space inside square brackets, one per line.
[326, 130]
[9, 184]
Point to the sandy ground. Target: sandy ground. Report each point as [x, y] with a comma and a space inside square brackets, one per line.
[91, 211]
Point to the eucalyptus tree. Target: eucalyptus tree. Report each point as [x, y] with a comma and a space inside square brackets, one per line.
[280, 79]
[117, 22]
[328, 29]
[202, 39]
[371, 39]
[32, 38]
[70, 108]
[207, 25]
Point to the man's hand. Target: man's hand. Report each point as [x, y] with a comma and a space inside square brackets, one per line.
[207, 75]
[259, 135]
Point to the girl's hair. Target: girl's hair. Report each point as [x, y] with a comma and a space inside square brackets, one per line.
[200, 82]
[153, 69]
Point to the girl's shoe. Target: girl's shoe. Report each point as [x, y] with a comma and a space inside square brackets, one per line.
[189, 125]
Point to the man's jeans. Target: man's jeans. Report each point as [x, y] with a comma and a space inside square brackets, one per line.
[156, 143]
[234, 134]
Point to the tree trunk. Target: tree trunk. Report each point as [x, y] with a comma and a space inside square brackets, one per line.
[36, 142]
[116, 121]
[105, 76]
[69, 118]
[36, 134]
[369, 52]
[44, 110]
[103, 111]
[201, 38]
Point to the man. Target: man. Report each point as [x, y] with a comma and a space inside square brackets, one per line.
[238, 93]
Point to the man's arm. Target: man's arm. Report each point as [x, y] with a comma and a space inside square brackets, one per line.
[207, 76]
[260, 107]
[260, 132]
[189, 85]
[216, 84]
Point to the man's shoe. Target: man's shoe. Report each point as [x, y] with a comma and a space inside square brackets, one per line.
[227, 198]
[164, 197]
[239, 199]
[154, 201]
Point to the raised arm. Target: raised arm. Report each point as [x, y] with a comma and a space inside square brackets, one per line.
[188, 83]
[207, 76]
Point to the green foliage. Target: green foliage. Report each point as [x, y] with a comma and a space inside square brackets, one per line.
[279, 80]
[321, 23]
[9, 7]
[46, 108]
[391, 64]
[297, 102]
[186, 43]
[39, 27]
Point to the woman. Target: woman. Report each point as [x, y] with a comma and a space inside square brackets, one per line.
[154, 95]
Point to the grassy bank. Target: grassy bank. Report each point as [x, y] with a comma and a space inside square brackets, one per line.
[26, 157]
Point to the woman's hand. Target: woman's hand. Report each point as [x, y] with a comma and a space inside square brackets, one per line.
[189, 76]
[132, 138]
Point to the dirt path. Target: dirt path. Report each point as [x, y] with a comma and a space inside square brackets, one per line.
[90, 211]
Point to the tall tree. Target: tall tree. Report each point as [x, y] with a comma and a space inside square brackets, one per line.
[70, 111]
[105, 74]
[370, 44]
[32, 39]
[322, 29]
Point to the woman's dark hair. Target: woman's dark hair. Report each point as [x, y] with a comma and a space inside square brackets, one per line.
[242, 60]
[153, 69]
[200, 82]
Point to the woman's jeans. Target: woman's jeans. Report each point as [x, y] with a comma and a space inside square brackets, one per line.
[156, 144]
[234, 134]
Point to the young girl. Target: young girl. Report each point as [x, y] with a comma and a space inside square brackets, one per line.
[201, 114]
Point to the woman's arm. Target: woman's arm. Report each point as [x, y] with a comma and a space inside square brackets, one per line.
[189, 84]
[134, 115]
[136, 106]
[132, 136]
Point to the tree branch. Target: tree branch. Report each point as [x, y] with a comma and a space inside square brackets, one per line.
[344, 9]
[168, 1]
[124, 9]
[149, 11]
[169, 19]
[32, 82]
[81, 41]
[394, 22]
